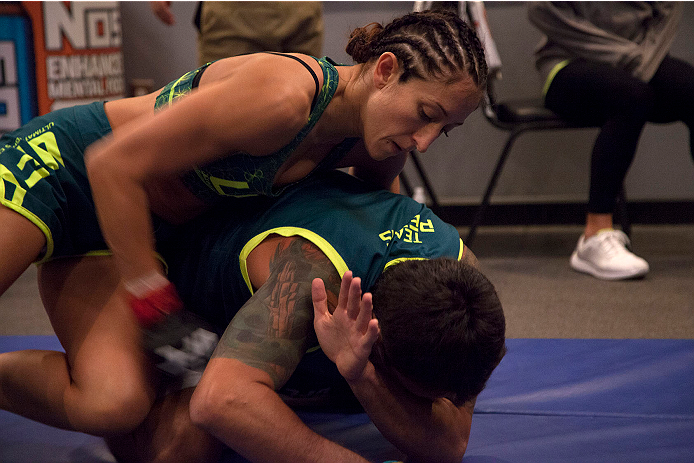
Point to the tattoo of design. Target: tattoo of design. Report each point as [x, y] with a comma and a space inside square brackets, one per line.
[274, 327]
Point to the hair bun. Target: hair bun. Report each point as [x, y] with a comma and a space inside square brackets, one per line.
[361, 42]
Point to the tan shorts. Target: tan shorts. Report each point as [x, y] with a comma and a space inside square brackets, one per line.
[235, 28]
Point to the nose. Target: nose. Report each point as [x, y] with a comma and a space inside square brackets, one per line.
[424, 137]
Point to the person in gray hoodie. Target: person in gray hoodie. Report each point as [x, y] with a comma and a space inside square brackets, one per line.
[607, 64]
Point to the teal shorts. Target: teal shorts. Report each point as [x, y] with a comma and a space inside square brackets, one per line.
[43, 177]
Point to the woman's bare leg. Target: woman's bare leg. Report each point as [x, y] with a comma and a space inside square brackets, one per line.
[21, 243]
[596, 222]
[103, 383]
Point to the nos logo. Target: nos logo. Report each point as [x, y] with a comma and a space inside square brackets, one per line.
[86, 25]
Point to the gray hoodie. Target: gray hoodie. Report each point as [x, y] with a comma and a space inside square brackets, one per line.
[634, 36]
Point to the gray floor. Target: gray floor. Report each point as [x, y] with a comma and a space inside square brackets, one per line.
[542, 296]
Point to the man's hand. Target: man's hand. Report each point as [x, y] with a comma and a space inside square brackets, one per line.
[162, 10]
[348, 334]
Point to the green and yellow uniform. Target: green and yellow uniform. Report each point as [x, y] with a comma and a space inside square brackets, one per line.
[357, 227]
[43, 177]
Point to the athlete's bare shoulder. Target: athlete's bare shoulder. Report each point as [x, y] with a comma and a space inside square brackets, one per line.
[228, 67]
[264, 66]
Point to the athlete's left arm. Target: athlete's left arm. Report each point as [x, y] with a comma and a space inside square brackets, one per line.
[383, 174]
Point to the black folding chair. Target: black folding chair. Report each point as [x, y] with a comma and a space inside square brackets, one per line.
[516, 117]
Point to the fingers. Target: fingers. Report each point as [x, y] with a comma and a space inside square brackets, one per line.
[372, 332]
[343, 297]
[320, 298]
[354, 302]
[363, 317]
[350, 301]
[366, 322]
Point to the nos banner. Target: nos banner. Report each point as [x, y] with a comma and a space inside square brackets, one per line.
[77, 47]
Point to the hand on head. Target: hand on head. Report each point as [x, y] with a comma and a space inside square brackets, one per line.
[348, 334]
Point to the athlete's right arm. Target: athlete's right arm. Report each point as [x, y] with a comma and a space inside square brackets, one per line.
[254, 111]
[426, 427]
[236, 400]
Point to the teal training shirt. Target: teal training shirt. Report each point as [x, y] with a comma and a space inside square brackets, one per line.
[358, 227]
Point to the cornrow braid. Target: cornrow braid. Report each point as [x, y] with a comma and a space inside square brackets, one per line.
[434, 42]
[475, 51]
[402, 48]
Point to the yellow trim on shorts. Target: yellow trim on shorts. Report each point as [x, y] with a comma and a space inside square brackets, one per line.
[558, 67]
[403, 259]
[314, 238]
[33, 218]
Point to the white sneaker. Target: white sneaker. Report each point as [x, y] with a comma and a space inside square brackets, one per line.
[607, 257]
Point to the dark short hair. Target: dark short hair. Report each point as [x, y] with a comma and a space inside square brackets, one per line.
[442, 325]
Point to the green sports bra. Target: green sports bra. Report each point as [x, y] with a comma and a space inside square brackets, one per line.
[239, 174]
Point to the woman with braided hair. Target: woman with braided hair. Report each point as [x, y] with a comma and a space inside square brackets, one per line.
[93, 184]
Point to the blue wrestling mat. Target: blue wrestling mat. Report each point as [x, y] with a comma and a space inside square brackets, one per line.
[550, 400]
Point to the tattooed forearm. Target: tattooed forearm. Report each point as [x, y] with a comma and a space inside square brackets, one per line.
[275, 327]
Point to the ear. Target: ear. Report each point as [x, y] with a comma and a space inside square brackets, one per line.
[386, 69]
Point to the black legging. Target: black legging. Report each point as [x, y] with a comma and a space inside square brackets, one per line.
[597, 94]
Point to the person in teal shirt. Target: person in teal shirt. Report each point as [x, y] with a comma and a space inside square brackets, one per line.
[412, 331]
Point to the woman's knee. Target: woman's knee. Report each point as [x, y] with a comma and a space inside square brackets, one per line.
[630, 100]
[115, 408]
[674, 87]
[637, 103]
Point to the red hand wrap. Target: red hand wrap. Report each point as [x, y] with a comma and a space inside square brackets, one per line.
[156, 305]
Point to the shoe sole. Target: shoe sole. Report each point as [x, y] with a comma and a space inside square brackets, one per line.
[583, 266]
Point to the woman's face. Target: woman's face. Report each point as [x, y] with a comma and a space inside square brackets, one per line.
[401, 117]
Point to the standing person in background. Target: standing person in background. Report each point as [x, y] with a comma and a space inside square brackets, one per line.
[237, 28]
[607, 64]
